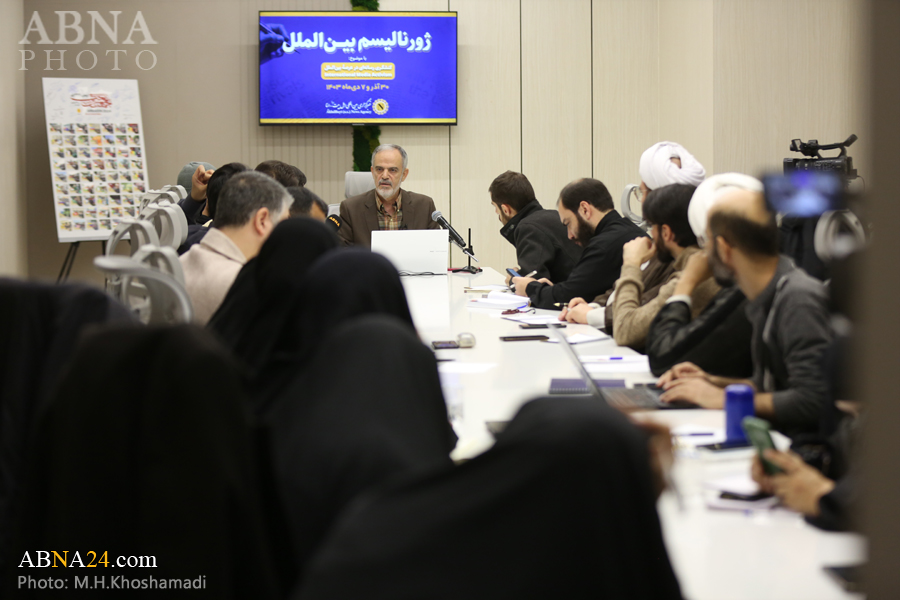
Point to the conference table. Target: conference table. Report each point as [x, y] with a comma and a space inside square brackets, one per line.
[717, 554]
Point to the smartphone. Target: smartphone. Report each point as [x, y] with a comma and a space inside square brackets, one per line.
[513, 273]
[445, 345]
[524, 338]
[757, 431]
[725, 446]
[532, 326]
[847, 577]
[744, 497]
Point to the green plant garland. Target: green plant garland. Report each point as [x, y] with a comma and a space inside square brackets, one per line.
[365, 137]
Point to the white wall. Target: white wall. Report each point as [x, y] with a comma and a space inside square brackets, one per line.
[12, 143]
[557, 89]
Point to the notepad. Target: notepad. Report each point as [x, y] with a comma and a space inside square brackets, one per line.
[533, 319]
[498, 299]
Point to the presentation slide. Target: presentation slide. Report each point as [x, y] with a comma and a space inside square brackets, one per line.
[357, 67]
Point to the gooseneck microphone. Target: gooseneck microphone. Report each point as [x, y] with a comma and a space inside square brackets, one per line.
[457, 239]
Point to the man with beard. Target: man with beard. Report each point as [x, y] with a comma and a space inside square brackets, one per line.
[586, 209]
[387, 207]
[787, 309]
[541, 241]
[674, 243]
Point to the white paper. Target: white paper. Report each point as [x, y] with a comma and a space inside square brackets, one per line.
[498, 299]
[617, 367]
[464, 367]
[696, 435]
[581, 338]
[533, 319]
[604, 359]
[491, 287]
[488, 303]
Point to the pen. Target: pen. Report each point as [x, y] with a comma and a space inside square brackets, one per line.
[532, 274]
[693, 434]
[560, 304]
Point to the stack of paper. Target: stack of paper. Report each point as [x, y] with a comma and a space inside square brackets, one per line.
[498, 299]
[579, 334]
[534, 319]
[487, 288]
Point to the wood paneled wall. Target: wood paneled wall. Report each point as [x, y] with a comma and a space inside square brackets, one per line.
[557, 89]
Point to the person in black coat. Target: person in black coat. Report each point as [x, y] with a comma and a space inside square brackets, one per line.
[541, 241]
[137, 457]
[563, 506]
[367, 408]
[40, 326]
[586, 209]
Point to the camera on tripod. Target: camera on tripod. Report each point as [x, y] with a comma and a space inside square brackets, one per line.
[841, 164]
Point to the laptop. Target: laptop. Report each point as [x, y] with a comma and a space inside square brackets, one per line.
[414, 252]
[639, 398]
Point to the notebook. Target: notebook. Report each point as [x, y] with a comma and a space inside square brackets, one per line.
[639, 398]
[414, 252]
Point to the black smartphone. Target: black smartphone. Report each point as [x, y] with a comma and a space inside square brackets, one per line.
[725, 446]
[532, 326]
[757, 431]
[847, 577]
[450, 344]
[524, 338]
[744, 497]
[513, 273]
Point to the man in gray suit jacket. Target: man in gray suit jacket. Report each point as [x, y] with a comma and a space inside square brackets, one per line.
[387, 207]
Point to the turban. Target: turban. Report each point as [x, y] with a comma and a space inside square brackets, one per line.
[657, 170]
[710, 192]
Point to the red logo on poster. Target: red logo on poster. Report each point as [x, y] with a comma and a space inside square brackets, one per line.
[93, 100]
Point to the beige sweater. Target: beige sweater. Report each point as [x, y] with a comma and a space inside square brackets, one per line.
[631, 320]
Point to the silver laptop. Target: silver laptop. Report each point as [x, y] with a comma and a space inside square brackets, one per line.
[414, 252]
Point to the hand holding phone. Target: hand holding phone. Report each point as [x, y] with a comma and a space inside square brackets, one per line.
[757, 431]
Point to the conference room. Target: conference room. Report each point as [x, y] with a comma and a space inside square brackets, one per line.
[222, 377]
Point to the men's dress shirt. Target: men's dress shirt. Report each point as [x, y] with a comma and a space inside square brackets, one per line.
[360, 216]
[542, 243]
[388, 222]
[790, 335]
[598, 268]
[210, 268]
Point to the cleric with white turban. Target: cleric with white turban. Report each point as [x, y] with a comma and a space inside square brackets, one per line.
[657, 168]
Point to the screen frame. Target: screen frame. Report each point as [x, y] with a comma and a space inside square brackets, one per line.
[368, 121]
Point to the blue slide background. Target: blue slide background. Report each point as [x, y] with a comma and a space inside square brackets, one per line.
[424, 87]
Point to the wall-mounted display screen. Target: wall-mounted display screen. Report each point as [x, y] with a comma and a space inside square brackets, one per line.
[357, 67]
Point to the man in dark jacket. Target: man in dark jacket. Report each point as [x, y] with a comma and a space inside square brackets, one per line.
[585, 207]
[541, 242]
[787, 309]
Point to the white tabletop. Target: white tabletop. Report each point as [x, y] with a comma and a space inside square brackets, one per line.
[717, 555]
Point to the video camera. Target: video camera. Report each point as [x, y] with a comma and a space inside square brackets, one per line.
[840, 164]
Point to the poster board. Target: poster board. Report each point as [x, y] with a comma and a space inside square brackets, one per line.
[97, 157]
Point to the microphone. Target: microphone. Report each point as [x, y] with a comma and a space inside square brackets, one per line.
[334, 222]
[457, 239]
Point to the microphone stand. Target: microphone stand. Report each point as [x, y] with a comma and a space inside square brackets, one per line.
[470, 253]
